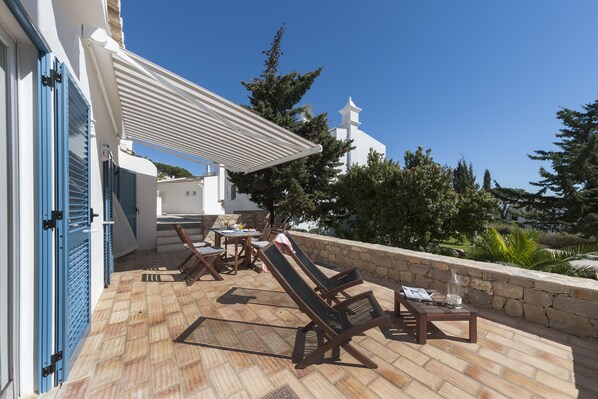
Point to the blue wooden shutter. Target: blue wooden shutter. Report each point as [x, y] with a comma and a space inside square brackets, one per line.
[73, 193]
[127, 196]
[108, 248]
[45, 200]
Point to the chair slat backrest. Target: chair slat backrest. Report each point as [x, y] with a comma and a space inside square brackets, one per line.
[178, 228]
[276, 229]
[265, 229]
[302, 258]
[265, 233]
[187, 240]
[297, 288]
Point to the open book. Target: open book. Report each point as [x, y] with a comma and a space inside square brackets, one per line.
[418, 294]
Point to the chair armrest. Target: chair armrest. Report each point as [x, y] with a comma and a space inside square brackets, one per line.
[342, 274]
[332, 293]
[353, 299]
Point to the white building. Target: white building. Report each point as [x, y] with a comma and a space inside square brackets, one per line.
[234, 201]
[70, 93]
[362, 141]
[191, 195]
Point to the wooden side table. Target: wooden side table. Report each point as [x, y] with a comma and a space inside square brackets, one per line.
[425, 312]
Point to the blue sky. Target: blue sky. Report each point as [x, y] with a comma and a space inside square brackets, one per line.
[473, 78]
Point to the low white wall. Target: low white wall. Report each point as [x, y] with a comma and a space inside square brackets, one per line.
[158, 205]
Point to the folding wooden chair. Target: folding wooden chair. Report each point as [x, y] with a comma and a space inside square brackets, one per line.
[205, 259]
[265, 239]
[339, 323]
[185, 265]
[329, 287]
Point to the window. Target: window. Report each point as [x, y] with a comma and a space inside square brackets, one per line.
[194, 193]
[233, 192]
[187, 194]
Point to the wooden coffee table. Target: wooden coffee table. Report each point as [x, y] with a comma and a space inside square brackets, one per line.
[425, 312]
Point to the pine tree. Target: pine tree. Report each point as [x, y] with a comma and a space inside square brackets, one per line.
[165, 170]
[487, 181]
[568, 195]
[463, 177]
[300, 188]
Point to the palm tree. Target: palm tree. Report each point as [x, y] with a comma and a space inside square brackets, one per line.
[520, 248]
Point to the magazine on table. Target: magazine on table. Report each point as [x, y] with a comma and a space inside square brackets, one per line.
[418, 294]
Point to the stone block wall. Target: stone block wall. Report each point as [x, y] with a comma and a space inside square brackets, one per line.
[564, 303]
[249, 218]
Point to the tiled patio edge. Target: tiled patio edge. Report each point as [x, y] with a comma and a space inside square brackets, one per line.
[564, 303]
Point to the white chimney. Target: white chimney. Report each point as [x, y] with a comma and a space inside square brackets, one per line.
[350, 113]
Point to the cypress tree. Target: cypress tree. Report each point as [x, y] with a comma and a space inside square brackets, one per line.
[463, 177]
[300, 188]
[487, 181]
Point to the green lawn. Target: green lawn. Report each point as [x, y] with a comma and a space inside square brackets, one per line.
[453, 243]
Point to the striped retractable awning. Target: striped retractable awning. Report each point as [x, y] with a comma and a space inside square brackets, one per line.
[163, 109]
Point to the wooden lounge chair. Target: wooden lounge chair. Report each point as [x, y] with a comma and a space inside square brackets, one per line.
[266, 238]
[185, 265]
[329, 287]
[206, 259]
[339, 323]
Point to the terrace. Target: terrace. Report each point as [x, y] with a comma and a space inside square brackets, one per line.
[153, 336]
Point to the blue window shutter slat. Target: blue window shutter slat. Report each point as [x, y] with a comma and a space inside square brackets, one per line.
[73, 196]
[108, 249]
[78, 216]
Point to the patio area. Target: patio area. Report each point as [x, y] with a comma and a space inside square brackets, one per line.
[152, 336]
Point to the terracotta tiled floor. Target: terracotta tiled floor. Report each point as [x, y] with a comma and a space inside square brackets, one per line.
[152, 336]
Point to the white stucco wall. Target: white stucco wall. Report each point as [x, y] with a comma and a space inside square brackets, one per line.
[59, 22]
[186, 196]
[27, 165]
[183, 197]
[362, 142]
[212, 206]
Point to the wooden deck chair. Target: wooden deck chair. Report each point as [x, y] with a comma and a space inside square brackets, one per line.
[329, 287]
[265, 239]
[265, 229]
[206, 259]
[185, 265]
[339, 323]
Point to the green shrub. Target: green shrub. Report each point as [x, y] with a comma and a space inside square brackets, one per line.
[504, 228]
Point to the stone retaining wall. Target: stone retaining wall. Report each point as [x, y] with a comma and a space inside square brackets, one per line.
[564, 303]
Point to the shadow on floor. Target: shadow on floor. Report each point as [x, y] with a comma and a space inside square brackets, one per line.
[257, 339]
[256, 296]
[404, 329]
[162, 277]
